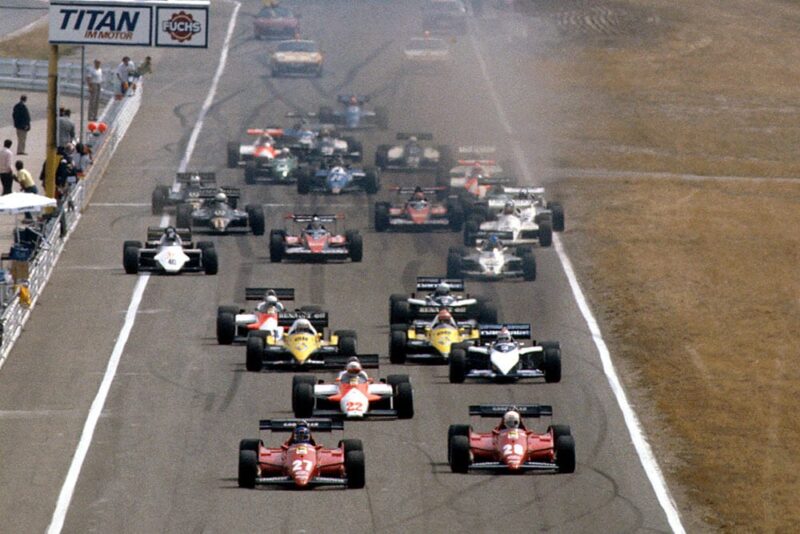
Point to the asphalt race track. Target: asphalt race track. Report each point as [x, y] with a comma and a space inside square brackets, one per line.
[164, 455]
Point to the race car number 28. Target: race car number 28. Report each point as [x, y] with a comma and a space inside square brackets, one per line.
[509, 449]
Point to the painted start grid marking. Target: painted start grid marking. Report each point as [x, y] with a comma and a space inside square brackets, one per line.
[640, 443]
[71, 481]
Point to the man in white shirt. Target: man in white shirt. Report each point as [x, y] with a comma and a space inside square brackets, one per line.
[94, 79]
[123, 74]
[6, 166]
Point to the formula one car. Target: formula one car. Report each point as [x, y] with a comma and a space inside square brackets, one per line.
[474, 174]
[529, 201]
[186, 189]
[303, 346]
[354, 116]
[235, 323]
[447, 293]
[169, 253]
[445, 16]
[353, 397]
[336, 177]
[315, 242]
[501, 357]
[217, 213]
[275, 22]
[282, 168]
[261, 150]
[316, 142]
[511, 447]
[491, 261]
[418, 213]
[302, 57]
[411, 156]
[514, 225]
[430, 340]
[299, 462]
[426, 52]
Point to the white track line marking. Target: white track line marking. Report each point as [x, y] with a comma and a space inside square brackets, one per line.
[96, 409]
[640, 443]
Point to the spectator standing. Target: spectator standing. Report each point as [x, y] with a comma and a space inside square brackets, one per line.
[6, 170]
[122, 75]
[94, 80]
[85, 159]
[22, 123]
[26, 182]
[66, 129]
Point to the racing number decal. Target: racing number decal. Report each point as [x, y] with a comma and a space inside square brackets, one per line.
[353, 406]
[516, 448]
[302, 465]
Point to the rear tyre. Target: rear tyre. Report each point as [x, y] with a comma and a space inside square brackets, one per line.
[349, 445]
[396, 380]
[130, 259]
[545, 233]
[250, 172]
[456, 215]
[256, 215]
[565, 454]
[381, 156]
[400, 312]
[226, 327]
[459, 454]
[471, 229]
[233, 155]
[354, 469]
[558, 215]
[303, 400]
[303, 379]
[458, 366]
[159, 199]
[275, 246]
[404, 401]
[254, 359]
[372, 183]
[551, 365]
[381, 216]
[183, 217]
[529, 267]
[454, 266]
[356, 245]
[453, 431]
[559, 430]
[397, 347]
[248, 469]
[347, 346]
[210, 261]
[487, 314]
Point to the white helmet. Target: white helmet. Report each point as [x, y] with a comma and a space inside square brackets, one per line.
[353, 366]
[442, 289]
[511, 419]
[302, 325]
[504, 336]
[272, 300]
[194, 179]
[221, 197]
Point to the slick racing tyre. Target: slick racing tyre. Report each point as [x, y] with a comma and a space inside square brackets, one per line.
[454, 266]
[351, 445]
[372, 183]
[404, 401]
[459, 454]
[303, 400]
[254, 359]
[565, 454]
[551, 363]
[545, 232]
[458, 366]
[159, 199]
[226, 327]
[248, 469]
[255, 213]
[276, 246]
[397, 347]
[453, 431]
[558, 215]
[233, 155]
[381, 216]
[354, 469]
[529, 267]
[130, 259]
[356, 245]
[183, 216]
[210, 262]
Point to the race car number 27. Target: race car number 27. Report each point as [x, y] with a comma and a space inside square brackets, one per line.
[302, 465]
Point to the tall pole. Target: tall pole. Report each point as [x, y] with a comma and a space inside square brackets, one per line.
[83, 84]
[51, 161]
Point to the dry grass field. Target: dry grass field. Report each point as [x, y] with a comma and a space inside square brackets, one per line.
[695, 280]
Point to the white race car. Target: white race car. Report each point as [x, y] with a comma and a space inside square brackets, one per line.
[529, 201]
[514, 226]
[353, 398]
[502, 357]
[491, 261]
[169, 256]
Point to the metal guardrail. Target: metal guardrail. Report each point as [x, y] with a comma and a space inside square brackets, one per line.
[118, 115]
[31, 75]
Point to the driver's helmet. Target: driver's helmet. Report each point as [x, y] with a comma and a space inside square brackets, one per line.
[194, 180]
[221, 198]
[353, 100]
[270, 299]
[302, 434]
[511, 419]
[504, 336]
[444, 317]
[303, 326]
[170, 233]
[419, 194]
[493, 242]
[508, 209]
[412, 140]
[477, 171]
[316, 224]
[353, 366]
[442, 290]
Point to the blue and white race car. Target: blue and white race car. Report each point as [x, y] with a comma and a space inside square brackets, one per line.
[353, 115]
[338, 177]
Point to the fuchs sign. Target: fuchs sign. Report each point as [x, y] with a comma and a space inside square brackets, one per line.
[124, 22]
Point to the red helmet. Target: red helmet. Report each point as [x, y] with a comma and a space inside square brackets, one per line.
[444, 317]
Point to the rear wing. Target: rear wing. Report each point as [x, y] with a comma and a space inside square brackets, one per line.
[524, 191]
[368, 361]
[257, 293]
[272, 131]
[489, 332]
[473, 162]
[154, 233]
[318, 319]
[525, 410]
[230, 192]
[288, 425]
[345, 99]
[206, 178]
[404, 190]
[429, 283]
[305, 218]
[476, 149]
[422, 136]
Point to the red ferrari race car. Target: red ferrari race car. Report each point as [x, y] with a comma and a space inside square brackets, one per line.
[418, 213]
[315, 242]
[511, 447]
[300, 461]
